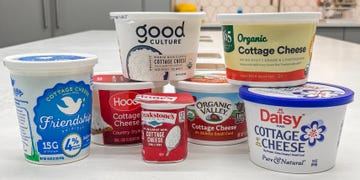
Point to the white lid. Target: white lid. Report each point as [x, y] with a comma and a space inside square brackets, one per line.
[116, 81]
[270, 17]
[210, 86]
[49, 61]
[157, 15]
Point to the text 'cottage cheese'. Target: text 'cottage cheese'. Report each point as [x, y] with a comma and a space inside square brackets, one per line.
[157, 46]
[218, 115]
[53, 97]
[268, 49]
[295, 129]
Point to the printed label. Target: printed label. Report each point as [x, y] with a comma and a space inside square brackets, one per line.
[216, 117]
[299, 140]
[122, 116]
[164, 135]
[63, 119]
[274, 52]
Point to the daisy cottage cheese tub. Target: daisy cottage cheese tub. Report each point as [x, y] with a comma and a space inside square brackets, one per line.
[295, 129]
[268, 49]
[157, 46]
[53, 97]
[218, 115]
[116, 115]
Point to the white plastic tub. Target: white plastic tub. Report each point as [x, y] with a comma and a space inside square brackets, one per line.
[53, 97]
[268, 49]
[295, 130]
[157, 46]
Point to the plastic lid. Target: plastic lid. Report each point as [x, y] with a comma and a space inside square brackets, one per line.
[49, 61]
[156, 15]
[311, 94]
[270, 17]
[214, 82]
[116, 81]
[164, 100]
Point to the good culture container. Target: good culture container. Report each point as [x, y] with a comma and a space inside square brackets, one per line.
[157, 46]
[218, 115]
[53, 97]
[268, 49]
[116, 116]
[295, 129]
[164, 130]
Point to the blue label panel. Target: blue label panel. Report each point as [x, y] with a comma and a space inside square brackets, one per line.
[63, 119]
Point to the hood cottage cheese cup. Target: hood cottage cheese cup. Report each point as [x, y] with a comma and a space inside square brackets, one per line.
[218, 115]
[297, 129]
[53, 97]
[158, 46]
[268, 49]
[116, 115]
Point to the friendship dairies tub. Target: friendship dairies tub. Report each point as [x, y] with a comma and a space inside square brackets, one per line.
[157, 46]
[268, 49]
[53, 97]
[295, 129]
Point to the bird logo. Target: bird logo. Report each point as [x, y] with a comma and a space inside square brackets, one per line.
[72, 107]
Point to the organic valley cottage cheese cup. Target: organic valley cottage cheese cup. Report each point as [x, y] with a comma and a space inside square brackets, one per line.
[157, 46]
[218, 115]
[268, 49]
[53, 97]
[295, 129]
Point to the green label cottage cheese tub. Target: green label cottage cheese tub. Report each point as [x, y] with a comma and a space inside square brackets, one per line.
[295, 129]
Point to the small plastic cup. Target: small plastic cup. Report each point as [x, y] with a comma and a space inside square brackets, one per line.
[53, 97]
[158, 46]
[268, 49]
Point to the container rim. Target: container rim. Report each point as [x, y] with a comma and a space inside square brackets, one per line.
[121, 85]
[156, 15]
[270, 17]
[310, 102]
[205, 87]
[14, 63]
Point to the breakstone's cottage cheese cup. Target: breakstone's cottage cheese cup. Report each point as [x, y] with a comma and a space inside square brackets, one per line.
[164, 130]
[218, 115]
[157, 46]
[297, 129]
[116, 115]
[53, 97]
[268, 49]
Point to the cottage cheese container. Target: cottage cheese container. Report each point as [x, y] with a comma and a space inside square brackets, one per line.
[116, 115]
[164, 130]
[268, 49]
[53, 96]
[218, 115]
[157, 46]
[297, 129]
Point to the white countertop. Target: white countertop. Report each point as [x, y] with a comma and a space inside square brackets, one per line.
[333, 61]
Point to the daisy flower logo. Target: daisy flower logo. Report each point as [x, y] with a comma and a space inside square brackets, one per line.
[313, 133]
